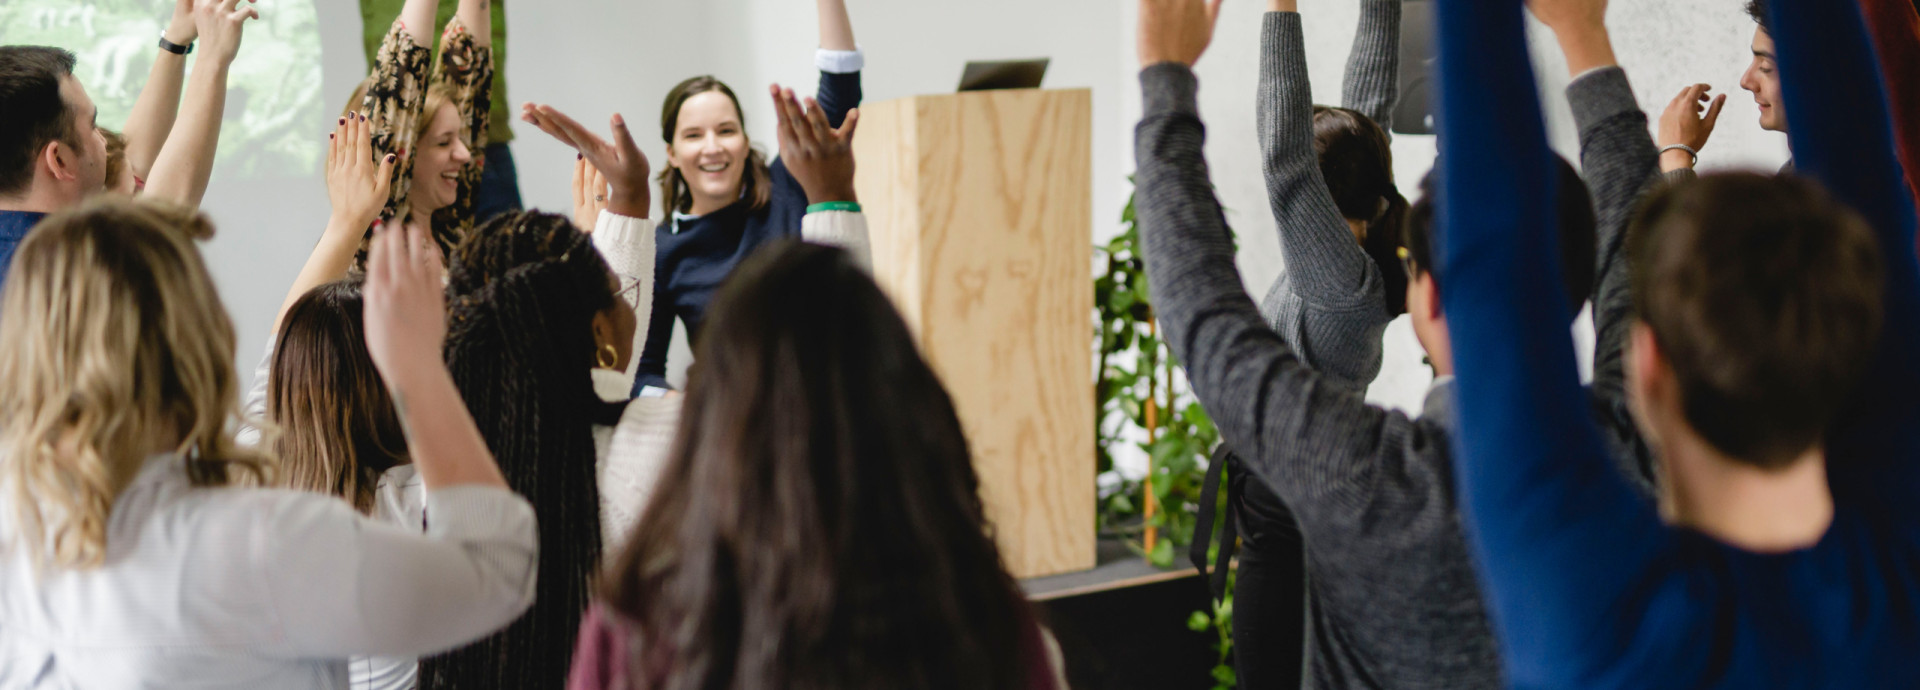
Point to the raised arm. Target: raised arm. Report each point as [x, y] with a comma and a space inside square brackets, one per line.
[1619, 162]
[185, 163]
[465, 71]
[396, 92]
[1314, 443]
[621, 231]
[1568, 553]
[357, 186]
[1330, 282]
[839, 61]
[1372, 86]
[1896, 32]
[396, 592]
[1843, 137]
[417, 20]
[820, 158]
[159, 102]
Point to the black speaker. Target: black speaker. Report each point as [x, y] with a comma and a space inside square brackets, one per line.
[1413, 114]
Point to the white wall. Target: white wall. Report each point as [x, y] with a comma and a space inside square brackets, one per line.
[595, 58]
[1663, 44]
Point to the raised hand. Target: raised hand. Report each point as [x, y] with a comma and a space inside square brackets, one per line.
[181, 30]
[622, 164]
[357, 185]
[219, 23]
[1688, 121]
[406, 313]
[1176, 30]
[818, 156]
[589, 194]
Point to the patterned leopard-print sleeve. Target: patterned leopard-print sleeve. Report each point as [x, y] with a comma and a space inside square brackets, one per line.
[396, 93]
[466, 70]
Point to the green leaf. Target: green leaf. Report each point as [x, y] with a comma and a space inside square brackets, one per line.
[1199, 622]
[1162, 555]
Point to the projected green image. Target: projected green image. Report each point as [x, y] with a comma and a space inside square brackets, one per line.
[274, 92]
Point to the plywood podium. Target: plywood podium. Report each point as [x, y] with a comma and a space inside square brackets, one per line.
[979, 206]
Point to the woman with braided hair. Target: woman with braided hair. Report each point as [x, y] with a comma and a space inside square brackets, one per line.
[542, 333]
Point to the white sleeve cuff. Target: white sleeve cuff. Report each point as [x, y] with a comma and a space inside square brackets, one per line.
[840, 61]
[844, 229]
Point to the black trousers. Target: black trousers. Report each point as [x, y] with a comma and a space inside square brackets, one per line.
[1269, 599]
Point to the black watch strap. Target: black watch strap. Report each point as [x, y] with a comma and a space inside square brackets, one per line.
[175, 48]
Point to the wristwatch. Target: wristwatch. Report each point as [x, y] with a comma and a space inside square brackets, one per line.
[174, 48]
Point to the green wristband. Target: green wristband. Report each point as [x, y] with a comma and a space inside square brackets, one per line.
[848, 206]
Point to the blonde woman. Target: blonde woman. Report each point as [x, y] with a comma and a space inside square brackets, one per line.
[130, 553]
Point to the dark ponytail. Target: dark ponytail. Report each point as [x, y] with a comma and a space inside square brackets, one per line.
[1356, 160]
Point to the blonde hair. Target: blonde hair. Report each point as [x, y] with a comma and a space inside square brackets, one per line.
[114, 347]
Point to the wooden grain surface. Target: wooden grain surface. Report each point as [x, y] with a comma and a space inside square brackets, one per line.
[980, 207]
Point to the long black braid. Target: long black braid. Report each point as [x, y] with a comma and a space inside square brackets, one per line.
[522, 291]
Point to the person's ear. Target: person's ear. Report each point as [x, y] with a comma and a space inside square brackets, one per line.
[59, 161]
[1429, 291]
[602, 329]
[1649, 379]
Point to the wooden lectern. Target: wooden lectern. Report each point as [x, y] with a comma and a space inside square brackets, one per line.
[979, 205]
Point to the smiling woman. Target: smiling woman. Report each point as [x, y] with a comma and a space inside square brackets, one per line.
[723, 198]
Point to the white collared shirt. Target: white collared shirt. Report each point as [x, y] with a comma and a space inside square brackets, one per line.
[258, 588]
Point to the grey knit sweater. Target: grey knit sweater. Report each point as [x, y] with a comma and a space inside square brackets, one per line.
[1329, 303]
[1395, 600]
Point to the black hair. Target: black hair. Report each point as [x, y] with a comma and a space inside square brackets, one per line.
[1757, 9]
[1356, 161]
[32, 111]
[522, 293]
[1576, 233]
[819, 523]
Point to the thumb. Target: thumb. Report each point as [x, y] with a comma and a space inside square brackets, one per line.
[847, 128]
[1713, 112]
[623, 139]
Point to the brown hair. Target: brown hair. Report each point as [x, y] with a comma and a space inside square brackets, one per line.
[756, 182]
[1764, 295]
[819, 522]
[114, 344]
[1577, 237]
[1356, 161]
[339, 431]
[116, 157]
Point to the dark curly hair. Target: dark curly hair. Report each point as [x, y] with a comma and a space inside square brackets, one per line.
[1757, 9]
[522, 292]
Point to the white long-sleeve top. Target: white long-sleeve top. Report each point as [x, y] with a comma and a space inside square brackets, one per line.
[258, 588]
[634, 452]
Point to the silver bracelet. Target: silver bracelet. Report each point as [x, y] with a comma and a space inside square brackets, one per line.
[1682, 147]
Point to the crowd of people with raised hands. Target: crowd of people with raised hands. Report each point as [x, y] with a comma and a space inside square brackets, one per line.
[459, 463]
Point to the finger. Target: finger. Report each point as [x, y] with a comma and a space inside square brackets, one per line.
[419, 241]
[1713, 113]
[579, 180]
[579, 134]
[623, 139]
[543, 118]
[243, 14]
[783, 127]
[817, 118]
[845, 133]
[383, 182]
[802, 127]
[597, 183]
[1213, 11]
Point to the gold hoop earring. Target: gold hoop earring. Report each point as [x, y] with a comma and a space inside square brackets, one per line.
[607, 356]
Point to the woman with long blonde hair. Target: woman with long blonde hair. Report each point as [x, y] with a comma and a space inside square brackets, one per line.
[132, 550]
